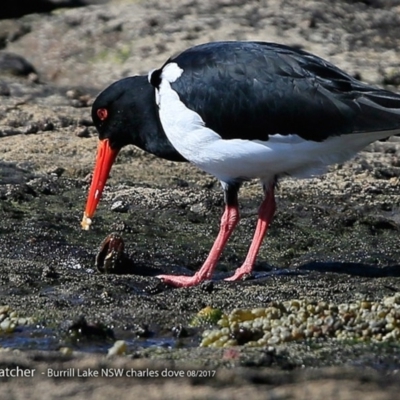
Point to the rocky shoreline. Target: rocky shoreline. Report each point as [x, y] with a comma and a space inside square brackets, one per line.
[335, 239]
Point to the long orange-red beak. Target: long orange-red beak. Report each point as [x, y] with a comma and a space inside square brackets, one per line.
[104, 161]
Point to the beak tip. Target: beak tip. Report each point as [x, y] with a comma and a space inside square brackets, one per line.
[86, 222]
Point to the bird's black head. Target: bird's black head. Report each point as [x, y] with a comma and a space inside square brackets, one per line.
[119, 111]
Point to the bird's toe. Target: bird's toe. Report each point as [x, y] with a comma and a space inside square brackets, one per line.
[180, 280]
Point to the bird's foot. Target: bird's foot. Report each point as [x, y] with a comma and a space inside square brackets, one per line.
[241, 273]
[181, 280]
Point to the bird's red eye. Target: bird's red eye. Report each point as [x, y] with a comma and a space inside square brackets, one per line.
[102, 113]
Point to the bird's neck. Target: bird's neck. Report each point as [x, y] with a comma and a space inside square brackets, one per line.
[152, 137]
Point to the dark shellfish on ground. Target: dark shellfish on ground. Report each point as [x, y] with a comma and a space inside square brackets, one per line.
[110, 257]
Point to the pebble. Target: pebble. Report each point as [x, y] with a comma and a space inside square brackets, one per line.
[119, 348]
[120, 206]
[282, 322]
[66, 351]
[31, 128]
[82, 132]
[4, 89]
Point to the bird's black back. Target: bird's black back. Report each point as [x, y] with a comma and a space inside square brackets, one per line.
[258, 89]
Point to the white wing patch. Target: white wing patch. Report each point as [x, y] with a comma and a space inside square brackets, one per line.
[171, 72]
[240, 158]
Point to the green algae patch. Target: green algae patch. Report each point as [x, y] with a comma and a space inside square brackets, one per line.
[377, 321]
[206, 316]
[10, 319]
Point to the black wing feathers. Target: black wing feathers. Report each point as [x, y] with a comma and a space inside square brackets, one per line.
[254, 89]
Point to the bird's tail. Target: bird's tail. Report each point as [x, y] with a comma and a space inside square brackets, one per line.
[380, 111]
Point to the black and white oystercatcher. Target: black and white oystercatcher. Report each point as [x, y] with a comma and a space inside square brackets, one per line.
[239, 111]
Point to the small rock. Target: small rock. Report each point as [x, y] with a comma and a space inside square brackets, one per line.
[118, 349]
[85, 122]
[9, 131]
[82, 132]
[4, 309]
[391, 77]
[4, 89]
[181, 183]
[15, 64]
[31, 128]
[66, 351]
[7, 326]
[199, 208]
[79, 99]
[66, 121]
[46, 126]
[58, 171]
[33, 77]
[50, 273]
[73, 94]
[179, 331]
[120, 206]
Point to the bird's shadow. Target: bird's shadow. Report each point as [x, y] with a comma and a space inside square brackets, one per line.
[337, 267]
[264, 270]
[262, 273]
[354, 269]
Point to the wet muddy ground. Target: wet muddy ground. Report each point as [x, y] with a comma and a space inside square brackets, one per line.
[334, 238]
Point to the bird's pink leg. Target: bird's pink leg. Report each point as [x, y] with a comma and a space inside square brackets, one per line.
[265, 215]
[229, 220]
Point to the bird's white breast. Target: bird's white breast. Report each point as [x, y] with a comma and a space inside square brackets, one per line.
[184, 127]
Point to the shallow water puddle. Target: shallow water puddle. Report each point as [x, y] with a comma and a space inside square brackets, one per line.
[30, 338]
[35, 337]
